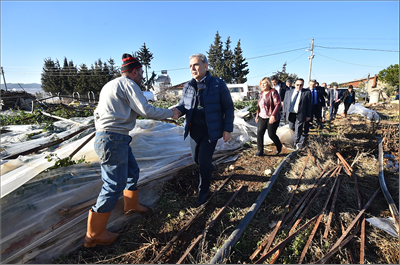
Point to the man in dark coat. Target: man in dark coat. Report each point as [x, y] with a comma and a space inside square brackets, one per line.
[348, 98]
[289, 83]
[326, 97]
[279, 86]
[209, 110]
[317, 101]
[297, 109]
[334, 101]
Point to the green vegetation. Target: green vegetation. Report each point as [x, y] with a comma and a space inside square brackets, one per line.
[21, 117]
[63, 162]
[225, 64]
[390, 76]
[145, 56]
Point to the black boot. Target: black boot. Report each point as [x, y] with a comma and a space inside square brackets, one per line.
[202, 198]
[259, 153]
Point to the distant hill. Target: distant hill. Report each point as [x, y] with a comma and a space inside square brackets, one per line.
[30, 87]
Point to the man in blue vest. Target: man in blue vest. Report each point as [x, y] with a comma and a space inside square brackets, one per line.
[209, 110]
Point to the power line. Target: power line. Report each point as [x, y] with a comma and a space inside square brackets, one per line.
[251, 58]
[277, 68]
[276, 53]
[360, 49]
[347, 62]
[314, 75]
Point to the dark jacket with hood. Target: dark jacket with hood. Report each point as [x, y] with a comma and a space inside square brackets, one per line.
[218, 106]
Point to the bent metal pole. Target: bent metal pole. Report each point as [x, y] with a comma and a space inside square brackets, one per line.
[224, 251]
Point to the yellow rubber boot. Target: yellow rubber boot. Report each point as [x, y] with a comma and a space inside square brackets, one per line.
[97, 233]
[131, 203]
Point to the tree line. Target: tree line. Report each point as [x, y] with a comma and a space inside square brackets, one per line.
[223, 62]
[69, 78]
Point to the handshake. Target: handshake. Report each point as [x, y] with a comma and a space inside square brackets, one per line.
[177, 113]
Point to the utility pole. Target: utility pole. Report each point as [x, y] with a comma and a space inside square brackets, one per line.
[366, 94]
[4, 79]
[310, 57]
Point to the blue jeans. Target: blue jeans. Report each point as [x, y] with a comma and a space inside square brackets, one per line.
[119, 169]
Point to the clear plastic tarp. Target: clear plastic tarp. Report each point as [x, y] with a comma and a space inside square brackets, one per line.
[357, 108]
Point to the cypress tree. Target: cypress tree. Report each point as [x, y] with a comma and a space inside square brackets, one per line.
[145, 56]
[283, 75]
[239, 68]
[83, 80]
[95, 77]
[228, 62]
[65, 88]
[215, 57]
[114, 71]
[72, 75]
[51, 81]
[48, 69]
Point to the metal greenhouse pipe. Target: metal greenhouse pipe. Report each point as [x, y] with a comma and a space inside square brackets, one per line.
[224, 251]
[392, 206]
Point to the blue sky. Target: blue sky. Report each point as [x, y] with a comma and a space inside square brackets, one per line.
[85, 31]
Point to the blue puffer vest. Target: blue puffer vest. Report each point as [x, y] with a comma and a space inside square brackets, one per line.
[218, 105]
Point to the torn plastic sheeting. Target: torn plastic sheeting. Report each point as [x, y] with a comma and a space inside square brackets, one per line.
[32, 208]
[229, 159]
[17, 177]
[243, 112]
[285, 135]
[17, 140]
[357, 108]
[30, 211]
[166, 141]
[149, 139]
[386, 224]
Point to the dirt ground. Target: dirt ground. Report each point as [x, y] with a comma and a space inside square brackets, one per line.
[355, 140]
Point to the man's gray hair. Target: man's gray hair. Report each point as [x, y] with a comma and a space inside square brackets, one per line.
[202, 57]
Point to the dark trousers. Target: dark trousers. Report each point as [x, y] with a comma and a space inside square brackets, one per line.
[346, 107]
[333, 111]
[202, 151]
[296, 126]
[262, 126]
[315, 112]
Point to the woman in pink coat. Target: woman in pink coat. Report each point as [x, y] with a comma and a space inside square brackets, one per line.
[268, 116]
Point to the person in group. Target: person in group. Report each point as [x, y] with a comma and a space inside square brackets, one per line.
[297, 109]
[209, 110]
[268, 116]
[120, 102]
[326, 99]
[334, 101]
[288, 84]
[396, 95]
[279, 86]
[317, 99]
[348, 98]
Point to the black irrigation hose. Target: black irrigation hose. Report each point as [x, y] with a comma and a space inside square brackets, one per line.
[224, 251]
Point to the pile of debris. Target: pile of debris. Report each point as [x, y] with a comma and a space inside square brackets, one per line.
[16, 99]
